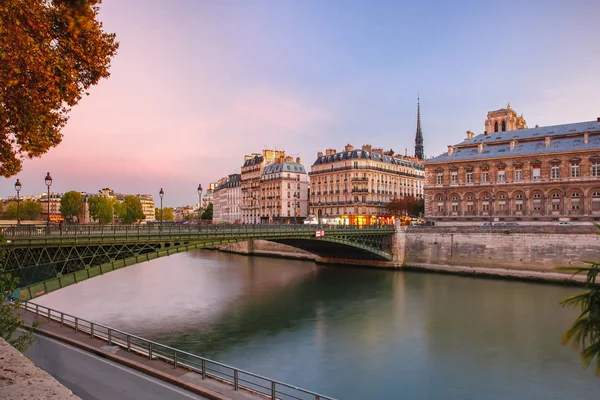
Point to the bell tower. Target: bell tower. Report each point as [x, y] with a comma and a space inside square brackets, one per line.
[503, 120]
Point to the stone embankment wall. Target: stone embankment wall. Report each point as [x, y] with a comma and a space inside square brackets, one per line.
[21, 380]
[530, 252]
[265, 248]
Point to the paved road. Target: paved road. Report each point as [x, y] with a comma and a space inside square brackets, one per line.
[91, 377]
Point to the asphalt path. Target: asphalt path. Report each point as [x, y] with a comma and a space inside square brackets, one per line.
[91, 377]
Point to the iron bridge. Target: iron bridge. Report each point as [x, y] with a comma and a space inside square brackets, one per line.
[47, 258]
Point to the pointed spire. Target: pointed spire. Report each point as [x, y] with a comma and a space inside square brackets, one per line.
[419, 135]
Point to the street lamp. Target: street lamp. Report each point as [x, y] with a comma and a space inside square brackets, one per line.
[161, 194]
[48, 181]
[199, 197]
[492, 198]
[18, 189]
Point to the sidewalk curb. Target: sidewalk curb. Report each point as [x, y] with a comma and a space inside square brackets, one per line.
[134, 365]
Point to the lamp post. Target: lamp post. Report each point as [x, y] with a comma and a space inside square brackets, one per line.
[161, 194]
[18, 189]
[492, 198]
[48, 181]
[199, 197]
[564, 205]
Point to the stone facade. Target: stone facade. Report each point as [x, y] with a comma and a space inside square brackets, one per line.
[284, 192]
[227, 198]
[352, 187]
[252, 169]
[542, 174]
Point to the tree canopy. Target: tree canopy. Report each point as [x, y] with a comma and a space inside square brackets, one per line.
[584, 333]
[71, 204]
[406, 205]
[51, 53]
[129, 210]
[208, 213]
[101, 209]
[30, 210]
[168, 214]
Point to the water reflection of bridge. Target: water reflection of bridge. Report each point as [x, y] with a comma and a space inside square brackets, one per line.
[47, 258]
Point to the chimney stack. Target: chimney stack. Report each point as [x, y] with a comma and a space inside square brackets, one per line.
[366, 147]
[450, 150]
[480, 147]
[547, 141]
[348, 147]
[598, 119]
[320, 154]
[512, 144]
[330, 151]
[298, 160]
[470, 135]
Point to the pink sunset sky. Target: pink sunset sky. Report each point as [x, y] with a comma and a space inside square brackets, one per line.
[198, 84]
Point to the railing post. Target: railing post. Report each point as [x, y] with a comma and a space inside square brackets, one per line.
[109, 336]
[76, 323]
[150, 350]
[62, 319]
[48, 315]
[92, 329]
[235, 379]
[175, 359]
[203, 369]
[273, 391]
[128, 342]
[37, 310]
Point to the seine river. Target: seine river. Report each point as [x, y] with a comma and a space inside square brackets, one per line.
[344, 332]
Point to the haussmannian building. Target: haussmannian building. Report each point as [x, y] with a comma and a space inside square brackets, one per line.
[147, 203]
[512, 173]
[352, 187]
[284, 192]
[252, 169]
[227, 197]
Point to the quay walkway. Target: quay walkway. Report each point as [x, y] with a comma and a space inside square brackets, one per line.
[198, 375]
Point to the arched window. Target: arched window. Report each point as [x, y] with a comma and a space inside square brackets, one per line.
[537, 196]
[496, 126]
[454, 198]
[519, 197]
[503, 126]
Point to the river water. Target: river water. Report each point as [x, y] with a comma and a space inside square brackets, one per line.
[344, 332]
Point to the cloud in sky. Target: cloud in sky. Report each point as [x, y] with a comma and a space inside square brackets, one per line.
[196, 85]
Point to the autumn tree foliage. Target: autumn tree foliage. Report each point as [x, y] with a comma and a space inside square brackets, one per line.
[51, 53]
[408, 205]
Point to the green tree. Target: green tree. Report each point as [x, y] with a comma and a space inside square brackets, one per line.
[30, 210]
[101, 209]
[406, 205]
[71, 204]
[9, 318]
[208, 213]
[168, 214]
[51, 53]
[584, 333]
[130, 210]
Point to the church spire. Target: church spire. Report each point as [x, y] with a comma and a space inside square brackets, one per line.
[419, 135]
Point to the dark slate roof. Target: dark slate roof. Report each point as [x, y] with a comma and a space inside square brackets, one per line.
[284, 167]
[497, 144]
[365, 155]
[253, 161]
[233, 180]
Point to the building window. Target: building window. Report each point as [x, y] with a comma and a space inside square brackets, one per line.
[537, 173]
[501, 176]
[537, 202]
[519, 206]
[518, 175]
[470, 207]
[469, 177]
[596, 201]
[575, 171]
[484, 176]
[485, 207]
[555, 172]
[575, 201]
[503, 126]
[454, 177]
[596, 168]
[440, 178]
[496, 126]
[556, 201]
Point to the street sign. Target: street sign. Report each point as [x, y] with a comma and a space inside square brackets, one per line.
[319, 234]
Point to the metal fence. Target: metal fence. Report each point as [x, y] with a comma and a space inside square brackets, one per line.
[28, 231]
[208, 369]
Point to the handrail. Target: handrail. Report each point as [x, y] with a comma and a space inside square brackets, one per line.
[153, 350]
[41, 231]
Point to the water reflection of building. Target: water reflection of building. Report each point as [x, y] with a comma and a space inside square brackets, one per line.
[511, 173]
[353, 186]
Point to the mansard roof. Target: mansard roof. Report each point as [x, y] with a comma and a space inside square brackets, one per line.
[359, 154]
[233, 180]
[253, 161]
[286, 166]
[563, 138]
